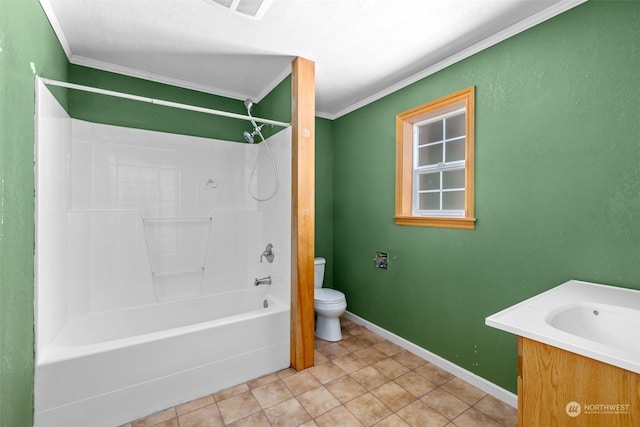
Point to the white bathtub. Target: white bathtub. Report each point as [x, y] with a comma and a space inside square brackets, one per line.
[117, 366]
[593, 320]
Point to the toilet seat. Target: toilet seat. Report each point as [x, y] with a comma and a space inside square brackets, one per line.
[327, 295]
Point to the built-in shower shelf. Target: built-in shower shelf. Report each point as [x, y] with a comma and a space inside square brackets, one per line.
[194, 219]
[177, 249]
[177, 273]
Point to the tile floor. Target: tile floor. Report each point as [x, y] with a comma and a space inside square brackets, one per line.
[363, 380]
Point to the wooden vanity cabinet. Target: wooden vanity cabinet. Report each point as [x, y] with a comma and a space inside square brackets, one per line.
[560, 388]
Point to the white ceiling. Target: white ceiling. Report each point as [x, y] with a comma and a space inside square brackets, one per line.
[363, 49]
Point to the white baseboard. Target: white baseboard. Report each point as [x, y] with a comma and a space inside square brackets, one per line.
[473, 379]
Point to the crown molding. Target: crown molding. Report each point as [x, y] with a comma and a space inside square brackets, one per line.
[158, 78]
[517, 28]
[275, 82]
[57, 29]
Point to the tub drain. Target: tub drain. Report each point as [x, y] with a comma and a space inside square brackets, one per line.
[265, 304]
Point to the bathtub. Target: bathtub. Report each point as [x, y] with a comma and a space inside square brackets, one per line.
[114, 367]
[593, 320]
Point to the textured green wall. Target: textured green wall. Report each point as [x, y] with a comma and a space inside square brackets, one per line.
[324, 196]
[557, 188]
[276, 105]
[135, 114]
[28, 47]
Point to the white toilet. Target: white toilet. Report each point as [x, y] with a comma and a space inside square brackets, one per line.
[329, 305]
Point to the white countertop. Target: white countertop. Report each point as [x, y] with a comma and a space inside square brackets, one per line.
[616, 311]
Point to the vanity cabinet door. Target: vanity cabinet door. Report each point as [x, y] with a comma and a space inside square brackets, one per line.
[560, 388]
[520, 392]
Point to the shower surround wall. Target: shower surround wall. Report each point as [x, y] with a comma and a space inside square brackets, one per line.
[131, 222]
[146, 202]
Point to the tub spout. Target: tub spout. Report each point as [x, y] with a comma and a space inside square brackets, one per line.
[263, 281]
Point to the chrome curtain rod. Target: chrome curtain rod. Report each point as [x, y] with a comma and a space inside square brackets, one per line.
[160, 102]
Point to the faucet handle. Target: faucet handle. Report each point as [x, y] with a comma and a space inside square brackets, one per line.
[268, 253]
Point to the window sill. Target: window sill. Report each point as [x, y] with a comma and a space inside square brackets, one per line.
[444, 222]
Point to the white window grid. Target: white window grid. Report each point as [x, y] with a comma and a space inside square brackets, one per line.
[439, 167]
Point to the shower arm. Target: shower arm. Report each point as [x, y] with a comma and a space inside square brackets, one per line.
[253, 122]
[178, 105]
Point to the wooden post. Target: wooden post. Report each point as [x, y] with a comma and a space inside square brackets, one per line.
[302, 215]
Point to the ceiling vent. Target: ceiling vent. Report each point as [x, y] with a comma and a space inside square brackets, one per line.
[250, 8]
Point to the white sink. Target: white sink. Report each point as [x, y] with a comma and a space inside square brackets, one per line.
[596, 321]
[602, 323]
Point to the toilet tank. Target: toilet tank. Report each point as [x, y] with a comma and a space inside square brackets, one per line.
[318, 276]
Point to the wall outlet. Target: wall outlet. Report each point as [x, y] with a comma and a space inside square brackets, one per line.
[382, 260]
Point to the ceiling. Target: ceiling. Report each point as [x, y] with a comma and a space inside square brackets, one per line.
[363, 49]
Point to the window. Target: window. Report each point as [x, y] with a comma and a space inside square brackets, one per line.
[434, 163]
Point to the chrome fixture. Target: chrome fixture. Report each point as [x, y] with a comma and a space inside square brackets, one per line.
[263, 281]
[268, 253]
[249, 137]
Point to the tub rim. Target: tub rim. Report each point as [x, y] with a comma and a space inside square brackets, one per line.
[56, 353]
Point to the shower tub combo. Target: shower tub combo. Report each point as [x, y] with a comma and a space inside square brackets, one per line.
[140, 303]
[137, 361]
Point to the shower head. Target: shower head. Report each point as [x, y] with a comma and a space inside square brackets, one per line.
[249, 137]
[248, 103]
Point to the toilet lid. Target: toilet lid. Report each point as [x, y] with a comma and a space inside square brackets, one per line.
[328, 295]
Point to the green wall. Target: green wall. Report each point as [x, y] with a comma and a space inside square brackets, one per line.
[28, 47]
[276, 105]
[557, 188]
[324, 239]
[135, 114]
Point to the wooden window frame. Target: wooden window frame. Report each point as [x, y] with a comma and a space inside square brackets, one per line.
[404, 161]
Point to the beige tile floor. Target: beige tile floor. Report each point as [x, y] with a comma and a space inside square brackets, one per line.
[363, 380]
